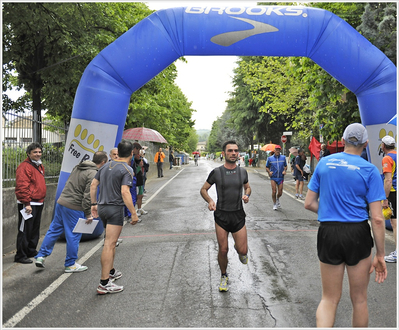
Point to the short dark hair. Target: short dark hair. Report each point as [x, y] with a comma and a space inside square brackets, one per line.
[228, 142]
[99, 157]
[136, 145]
[125, 148]
[33, 146]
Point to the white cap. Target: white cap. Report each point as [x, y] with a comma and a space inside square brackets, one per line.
[388, 140]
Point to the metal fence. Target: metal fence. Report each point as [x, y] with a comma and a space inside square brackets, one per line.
[17, 134]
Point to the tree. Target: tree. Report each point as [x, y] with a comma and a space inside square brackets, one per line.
[192, 141]
[252, 114]
[222, 131]
[378, 25]
[162, 106]
[50, 44]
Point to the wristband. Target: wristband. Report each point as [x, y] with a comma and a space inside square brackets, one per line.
[93, 204]
[247, 196]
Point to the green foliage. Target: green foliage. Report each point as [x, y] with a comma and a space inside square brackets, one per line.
[379, 26]
[252, 112]
[222, 130]
[203, 135]
[192, 141]
[50, 44]
[162, 106]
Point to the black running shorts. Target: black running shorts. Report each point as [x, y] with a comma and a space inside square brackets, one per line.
[393, 202]
[230, 221]
[111, 214]
[343, 242]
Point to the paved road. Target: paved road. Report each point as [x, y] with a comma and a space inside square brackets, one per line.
[170, 271]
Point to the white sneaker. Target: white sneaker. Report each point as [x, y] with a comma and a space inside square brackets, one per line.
[76, 268]
[275, 207]
[391, 258]
[110, 287]
[142, 211]
[278, 203]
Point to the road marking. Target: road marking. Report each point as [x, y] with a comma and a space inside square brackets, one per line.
[18, 317]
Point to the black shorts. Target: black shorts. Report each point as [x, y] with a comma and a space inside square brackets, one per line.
[343, 242]
[111, 214]
[230, 221]
[392, 203]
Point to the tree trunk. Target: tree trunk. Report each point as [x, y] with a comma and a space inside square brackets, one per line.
[37, 115]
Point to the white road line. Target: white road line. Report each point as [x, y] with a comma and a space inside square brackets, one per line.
[18, 317]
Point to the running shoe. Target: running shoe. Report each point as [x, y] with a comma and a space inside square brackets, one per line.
[275, 207]
[110, 287]
[243, 257]
[301, 197]
[117, 274]
[278, 203]
[223, 284]
[76, 268]
[143, 212]
[40, 262]
[391, 258]
[296, 195]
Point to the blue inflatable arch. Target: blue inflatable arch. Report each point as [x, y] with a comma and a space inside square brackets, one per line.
[102, 98]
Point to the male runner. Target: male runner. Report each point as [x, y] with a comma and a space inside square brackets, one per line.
[115, 179]
[229, 214]
[276, 167]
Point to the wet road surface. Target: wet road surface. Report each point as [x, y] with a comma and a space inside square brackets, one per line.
[171, 275]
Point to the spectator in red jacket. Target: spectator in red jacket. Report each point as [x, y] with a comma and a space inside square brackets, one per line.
[30, 191]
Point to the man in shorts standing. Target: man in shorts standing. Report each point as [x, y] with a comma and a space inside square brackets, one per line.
[276, 167]
[229, 214]
[339, 191]
[115, 179]
[389, 171]
[298, 173]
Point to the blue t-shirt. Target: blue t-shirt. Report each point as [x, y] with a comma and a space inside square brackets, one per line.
[276, 165]
[346, 184]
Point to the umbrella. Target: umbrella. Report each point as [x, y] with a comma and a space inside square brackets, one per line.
[293, 151]
[393, 120]
[268, 147]
[195, 152]
[143, 134]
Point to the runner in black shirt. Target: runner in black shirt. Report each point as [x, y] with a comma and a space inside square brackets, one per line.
[229, 214]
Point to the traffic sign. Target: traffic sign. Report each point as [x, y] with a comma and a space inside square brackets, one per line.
[283, 139]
